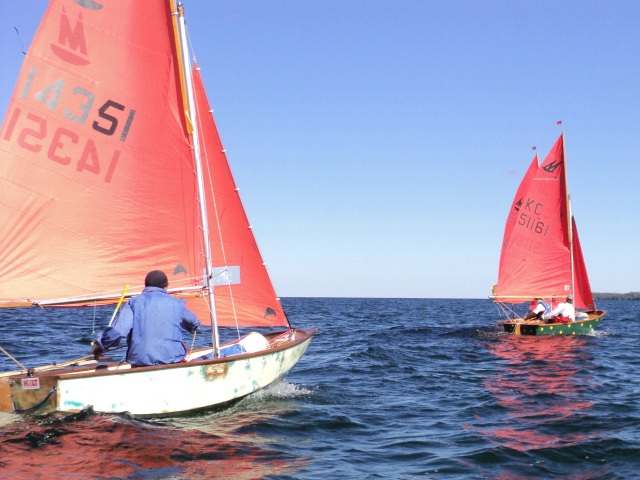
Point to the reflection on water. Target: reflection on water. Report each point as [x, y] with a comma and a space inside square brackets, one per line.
[540, 384]
[399, 389]
[210, 445]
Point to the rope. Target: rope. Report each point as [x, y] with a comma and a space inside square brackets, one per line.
[502, 306]
[11, 357]
[70, 363]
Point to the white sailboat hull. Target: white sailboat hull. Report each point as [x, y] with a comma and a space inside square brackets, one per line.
[162, 390]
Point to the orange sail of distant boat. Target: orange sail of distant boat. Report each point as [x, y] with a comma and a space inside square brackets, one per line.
[541, 255]
[506, 261]
[111, 166]
[535, 253]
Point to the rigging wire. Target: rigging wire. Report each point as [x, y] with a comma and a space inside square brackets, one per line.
[93, 326]
[215, 206]
[506, 311]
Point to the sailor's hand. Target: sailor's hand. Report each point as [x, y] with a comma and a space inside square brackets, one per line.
[96, 350]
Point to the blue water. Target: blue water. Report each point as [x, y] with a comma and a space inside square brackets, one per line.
[393, 388]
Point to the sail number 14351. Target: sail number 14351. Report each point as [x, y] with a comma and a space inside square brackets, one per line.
[32, 131]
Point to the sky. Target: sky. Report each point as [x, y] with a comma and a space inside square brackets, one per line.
[378, 144]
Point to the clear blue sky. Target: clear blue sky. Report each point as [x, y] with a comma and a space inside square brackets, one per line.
[378, 144]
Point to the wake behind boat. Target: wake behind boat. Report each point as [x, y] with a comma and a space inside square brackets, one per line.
[111, 165]
[541, 257]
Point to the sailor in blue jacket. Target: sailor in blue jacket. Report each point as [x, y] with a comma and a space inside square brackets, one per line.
[153, 323]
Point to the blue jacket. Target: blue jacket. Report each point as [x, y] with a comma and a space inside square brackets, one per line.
[153, 323]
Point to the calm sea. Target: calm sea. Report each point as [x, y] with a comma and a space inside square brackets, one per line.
[389, 388]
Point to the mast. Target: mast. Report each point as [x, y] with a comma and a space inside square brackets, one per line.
[192, 123]
[569, 217]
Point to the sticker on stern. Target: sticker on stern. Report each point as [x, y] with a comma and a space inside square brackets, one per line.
[31, 383]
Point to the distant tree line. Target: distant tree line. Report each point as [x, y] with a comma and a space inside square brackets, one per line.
[617, 296]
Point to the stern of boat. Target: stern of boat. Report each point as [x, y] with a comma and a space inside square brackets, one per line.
[28, 394]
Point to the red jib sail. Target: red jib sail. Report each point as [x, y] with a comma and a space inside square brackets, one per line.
[583, 297]
[97, 182]
[536, 251]
[243, 287]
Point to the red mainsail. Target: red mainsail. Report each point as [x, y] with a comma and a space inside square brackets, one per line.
[97, 181]
[536, 257]
[516, 205]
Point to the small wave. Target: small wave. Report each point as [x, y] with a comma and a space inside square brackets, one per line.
[598, 333]
[282, 389]
[8, 418]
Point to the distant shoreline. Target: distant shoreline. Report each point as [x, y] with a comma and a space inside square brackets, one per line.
[597, 296]
[617, 296]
